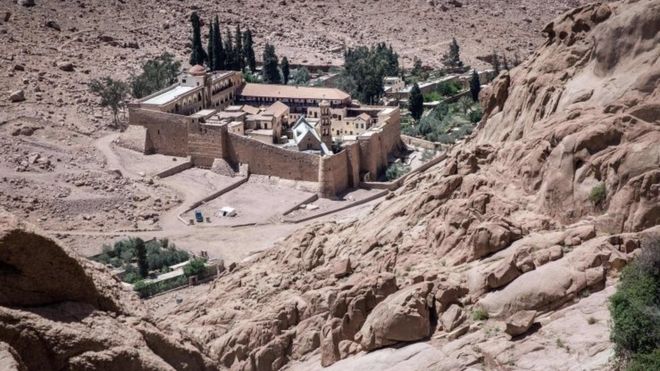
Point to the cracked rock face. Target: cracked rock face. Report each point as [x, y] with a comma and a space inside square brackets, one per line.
[506, 226]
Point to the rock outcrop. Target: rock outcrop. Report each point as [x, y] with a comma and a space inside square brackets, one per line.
[506, 224]
[403, 317]
[59, 311]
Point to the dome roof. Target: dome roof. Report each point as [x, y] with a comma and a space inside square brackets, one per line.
[197, 70]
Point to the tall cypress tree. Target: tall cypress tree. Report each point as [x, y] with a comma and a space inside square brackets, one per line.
[270, 71]
[475, 85]
[209, 48]
[453, 58]
[248, 50]
[416, 102]
[229, 52]
[496, 63]
[141, 253]
[285, 70]
[238, 50]
[198, 55]
[219, 57]
[505, 63]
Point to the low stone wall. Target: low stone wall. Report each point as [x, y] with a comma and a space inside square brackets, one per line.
[420, 143]
[175, 169]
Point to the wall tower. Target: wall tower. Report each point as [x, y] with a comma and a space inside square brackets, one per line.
[325, 124]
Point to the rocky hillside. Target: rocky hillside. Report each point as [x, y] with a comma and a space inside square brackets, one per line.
[501, 257]
[59, 311]
[538, 211]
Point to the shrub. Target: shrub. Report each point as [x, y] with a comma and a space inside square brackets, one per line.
[432, 97]
[635, 309]
[479, 314]
[475, 115]
[448, 88]
[195, 268]
[645, 362]
[157, 74]
[147, 289]
[428, 154]
[598, 194]
[396, 170]
[131, 277]
[300, 76]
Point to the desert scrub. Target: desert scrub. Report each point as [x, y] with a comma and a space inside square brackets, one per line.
[396, 170]
[635, 310]
[598, 194]
[479, 314]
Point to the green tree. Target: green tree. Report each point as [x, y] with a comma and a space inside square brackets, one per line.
[285, 70]
[271, 73]
[230, 59]
[418, 70]
[198, 55]
[453, 58]
[248, 50]
[364, 70]
[112, 93]
[219, 57]
[157, 74]
[141, 254]
[475, 85]
[505, 63]
[238, 50]
[301, 76]
[209, 48]
[194, 268]
[416, 102]
[496, 63]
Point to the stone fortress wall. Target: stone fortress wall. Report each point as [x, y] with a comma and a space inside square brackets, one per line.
[180, 135]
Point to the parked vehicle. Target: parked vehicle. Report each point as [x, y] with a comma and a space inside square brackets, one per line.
[199, 217]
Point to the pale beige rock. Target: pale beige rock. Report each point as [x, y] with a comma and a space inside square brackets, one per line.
[401, 317]
[452, 318]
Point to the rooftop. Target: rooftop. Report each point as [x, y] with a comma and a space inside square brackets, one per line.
[169, 95]
[278, 109]
[295, 92]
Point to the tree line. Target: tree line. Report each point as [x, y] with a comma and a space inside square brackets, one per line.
[365, 68]
[235, 52]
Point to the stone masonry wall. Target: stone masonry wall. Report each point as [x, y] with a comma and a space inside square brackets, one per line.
[206, 143]
[166, 133]
[333, 174]
[266, 159]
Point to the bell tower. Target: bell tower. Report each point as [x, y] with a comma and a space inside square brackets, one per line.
[325, 124]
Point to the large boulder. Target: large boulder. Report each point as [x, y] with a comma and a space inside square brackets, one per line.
[17, 96]
[520, 322]
[403, 317]
[552, 284]
[452, 318]
[26, 3]
[37, 271]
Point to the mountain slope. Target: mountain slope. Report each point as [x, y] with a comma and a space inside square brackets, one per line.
[507, 223]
